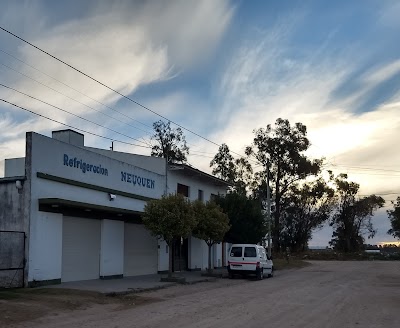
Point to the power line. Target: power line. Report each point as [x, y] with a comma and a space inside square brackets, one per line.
[10, 68]
[65, 111]
[108, 87]
[76, 90]
[77, 101]
[70, 126]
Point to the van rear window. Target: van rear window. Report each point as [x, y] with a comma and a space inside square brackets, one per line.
[250, 252]
[236, 252]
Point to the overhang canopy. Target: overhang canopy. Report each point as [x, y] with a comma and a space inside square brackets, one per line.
[85, 210]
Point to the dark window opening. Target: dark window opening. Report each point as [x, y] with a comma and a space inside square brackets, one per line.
[182, 190]
[236, 252]
[250, 252]
[201, 195]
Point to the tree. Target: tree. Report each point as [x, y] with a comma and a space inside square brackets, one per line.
[280, 151]
[394, 216]
[238, 172]
[169, 218]
[352, 218]
[307, 207]
[247, 224]
[170, 143]
[212, 224]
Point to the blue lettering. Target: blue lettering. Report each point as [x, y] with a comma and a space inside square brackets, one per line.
[129, 178]
[87, 167]
[134, 179]
[123, 175]
[152, 184]
[148, 183]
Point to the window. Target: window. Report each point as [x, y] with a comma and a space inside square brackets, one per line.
[250, 252]
[236, 252]
[201, 195]
[182, 190]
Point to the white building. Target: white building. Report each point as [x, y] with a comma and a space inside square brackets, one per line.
[79, 209]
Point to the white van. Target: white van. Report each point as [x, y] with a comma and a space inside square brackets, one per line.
[246, 259]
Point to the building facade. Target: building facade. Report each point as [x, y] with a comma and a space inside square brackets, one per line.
[71, 212]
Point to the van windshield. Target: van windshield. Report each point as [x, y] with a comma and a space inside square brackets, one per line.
[236, 252]
[250, 252]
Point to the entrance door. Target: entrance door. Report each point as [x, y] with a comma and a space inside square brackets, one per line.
[180, 251]
[80, 249]
[140, 251]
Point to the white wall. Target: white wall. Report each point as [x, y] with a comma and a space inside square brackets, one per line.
[196, 253]
[48, 156]
[112, 248]
[45, 247]
[217, 258]
[14, 167]
[175, 177]
[155, 164]
[163, 255]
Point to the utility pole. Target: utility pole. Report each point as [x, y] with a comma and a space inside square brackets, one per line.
[268, 212]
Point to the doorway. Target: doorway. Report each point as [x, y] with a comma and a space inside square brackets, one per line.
[180, 250]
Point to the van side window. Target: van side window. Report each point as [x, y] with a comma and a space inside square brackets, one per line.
[250, 252]
[236, 252]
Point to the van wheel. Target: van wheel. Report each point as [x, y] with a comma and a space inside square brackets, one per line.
[260, 274]
[272, 273]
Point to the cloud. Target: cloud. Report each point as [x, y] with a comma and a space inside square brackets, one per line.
[125, 45]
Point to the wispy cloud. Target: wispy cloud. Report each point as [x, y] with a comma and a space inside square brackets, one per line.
[126, 45]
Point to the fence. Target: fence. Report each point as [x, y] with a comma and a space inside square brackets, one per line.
[12, 259]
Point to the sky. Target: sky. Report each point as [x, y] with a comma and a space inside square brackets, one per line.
[218, 68]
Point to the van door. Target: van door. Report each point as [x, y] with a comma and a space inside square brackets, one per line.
[250, 258]
[236, 257]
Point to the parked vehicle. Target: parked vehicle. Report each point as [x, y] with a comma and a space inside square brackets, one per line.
[247, 259]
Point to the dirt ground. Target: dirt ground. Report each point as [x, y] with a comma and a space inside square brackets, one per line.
[325, 294]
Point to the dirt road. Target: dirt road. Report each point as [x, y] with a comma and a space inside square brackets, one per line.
[326, 294]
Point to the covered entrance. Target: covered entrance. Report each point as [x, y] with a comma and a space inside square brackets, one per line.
[180, 255]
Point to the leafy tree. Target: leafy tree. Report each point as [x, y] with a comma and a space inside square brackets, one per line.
[280, 150]
[307, 207]
[238, 172]
[169, 218]
[247, 224]
[212, 224]
[352, 218]
[394, 216]
[170, 143]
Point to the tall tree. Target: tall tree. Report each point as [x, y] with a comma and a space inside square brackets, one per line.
[170, 143]
[169, 218]
[238, 171]
[394, 216]
[352, 218]
[280, 150]
[247, 224]
[212, 224]
[307, 207]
